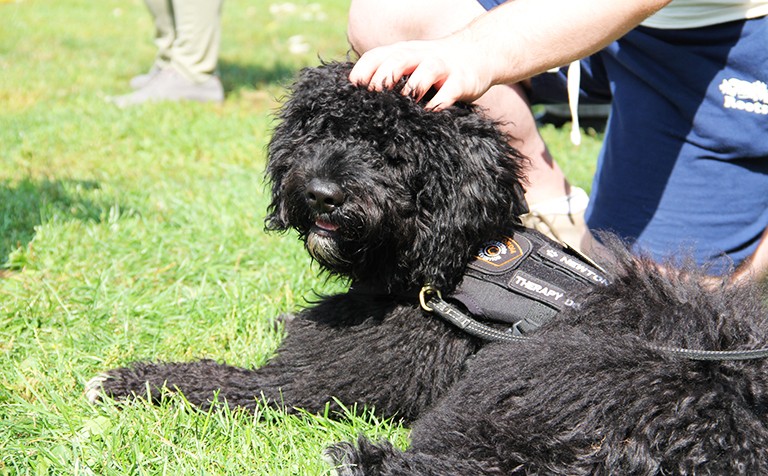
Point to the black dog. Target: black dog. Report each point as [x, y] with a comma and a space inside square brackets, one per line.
[395, 197]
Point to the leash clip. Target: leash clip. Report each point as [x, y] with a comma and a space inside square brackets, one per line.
[426, 293]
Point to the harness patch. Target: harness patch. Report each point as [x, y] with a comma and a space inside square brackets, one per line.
[577, 266]
[500, 256]
[539, 290]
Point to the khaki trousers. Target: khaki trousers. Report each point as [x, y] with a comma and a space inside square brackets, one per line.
[187, 35]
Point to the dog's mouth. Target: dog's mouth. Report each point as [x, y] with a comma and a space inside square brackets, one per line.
[324, 228]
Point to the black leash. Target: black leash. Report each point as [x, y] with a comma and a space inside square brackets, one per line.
[696, 354]
[453, 315]
[431, 301]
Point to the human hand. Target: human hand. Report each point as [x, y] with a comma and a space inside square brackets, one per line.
[449, 65]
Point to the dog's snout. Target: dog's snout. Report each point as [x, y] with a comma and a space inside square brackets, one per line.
[324, 195]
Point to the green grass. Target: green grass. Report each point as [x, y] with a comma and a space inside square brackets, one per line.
[138, 234]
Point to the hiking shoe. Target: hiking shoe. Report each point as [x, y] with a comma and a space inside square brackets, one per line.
[169, 85]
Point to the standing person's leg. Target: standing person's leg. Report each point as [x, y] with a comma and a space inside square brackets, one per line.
[373, 23]
[195, 51]
[189, 72]
[165, 34]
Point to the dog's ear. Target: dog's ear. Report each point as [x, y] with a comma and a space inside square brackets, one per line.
[471, 190]
[281, 154]
[488, 147]
[277, 218]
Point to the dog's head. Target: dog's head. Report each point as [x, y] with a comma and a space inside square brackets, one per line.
[383, 191]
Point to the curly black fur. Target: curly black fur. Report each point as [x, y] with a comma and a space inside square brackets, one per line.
[393, 197]
[422, 189]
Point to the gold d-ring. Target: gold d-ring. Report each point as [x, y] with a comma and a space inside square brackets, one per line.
[424, 295]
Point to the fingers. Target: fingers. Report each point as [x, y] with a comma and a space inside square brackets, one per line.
[389, 73]
[433, 74]
[445, 97]
[381, 68]
[427, 65]
[421, 79]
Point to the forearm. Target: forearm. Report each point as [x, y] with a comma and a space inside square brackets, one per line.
[512, 42]
[527, 37]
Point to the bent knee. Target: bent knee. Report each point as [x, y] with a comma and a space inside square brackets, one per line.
[375, 23]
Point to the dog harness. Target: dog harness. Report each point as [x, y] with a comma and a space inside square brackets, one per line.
[524, 280]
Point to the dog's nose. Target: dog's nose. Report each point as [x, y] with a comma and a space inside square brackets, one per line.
[324, 195]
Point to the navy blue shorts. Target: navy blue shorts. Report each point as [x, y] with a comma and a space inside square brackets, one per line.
[684, 166]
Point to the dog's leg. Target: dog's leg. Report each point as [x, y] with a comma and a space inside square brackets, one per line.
[382, 459]
[378, 354]
[569, 403]
[199, 381]
[466, 432]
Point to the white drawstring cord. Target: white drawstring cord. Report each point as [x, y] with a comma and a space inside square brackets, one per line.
[573, 85]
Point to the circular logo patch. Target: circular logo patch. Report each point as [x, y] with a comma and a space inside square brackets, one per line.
[493, 252]
[499, 256]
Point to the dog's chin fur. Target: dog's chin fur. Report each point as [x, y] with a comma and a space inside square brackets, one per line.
[325, 250]
[590, 394]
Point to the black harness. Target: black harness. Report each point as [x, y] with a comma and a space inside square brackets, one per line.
[517, 283]
[524, 280]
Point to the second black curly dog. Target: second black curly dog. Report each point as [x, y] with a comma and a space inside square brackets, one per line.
[395, 197]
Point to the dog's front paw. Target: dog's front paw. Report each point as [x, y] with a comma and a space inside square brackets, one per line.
[114, 384]
[94, 388]
[343, 458]
[365, 459]
[144, 380]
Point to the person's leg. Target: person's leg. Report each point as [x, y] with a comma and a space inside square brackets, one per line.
[165, 30]
[373, 23]
[190, 71]
[165, 34]
[195, 51]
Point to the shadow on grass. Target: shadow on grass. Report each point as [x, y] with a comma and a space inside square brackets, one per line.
[28, 203]
[235, 76]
